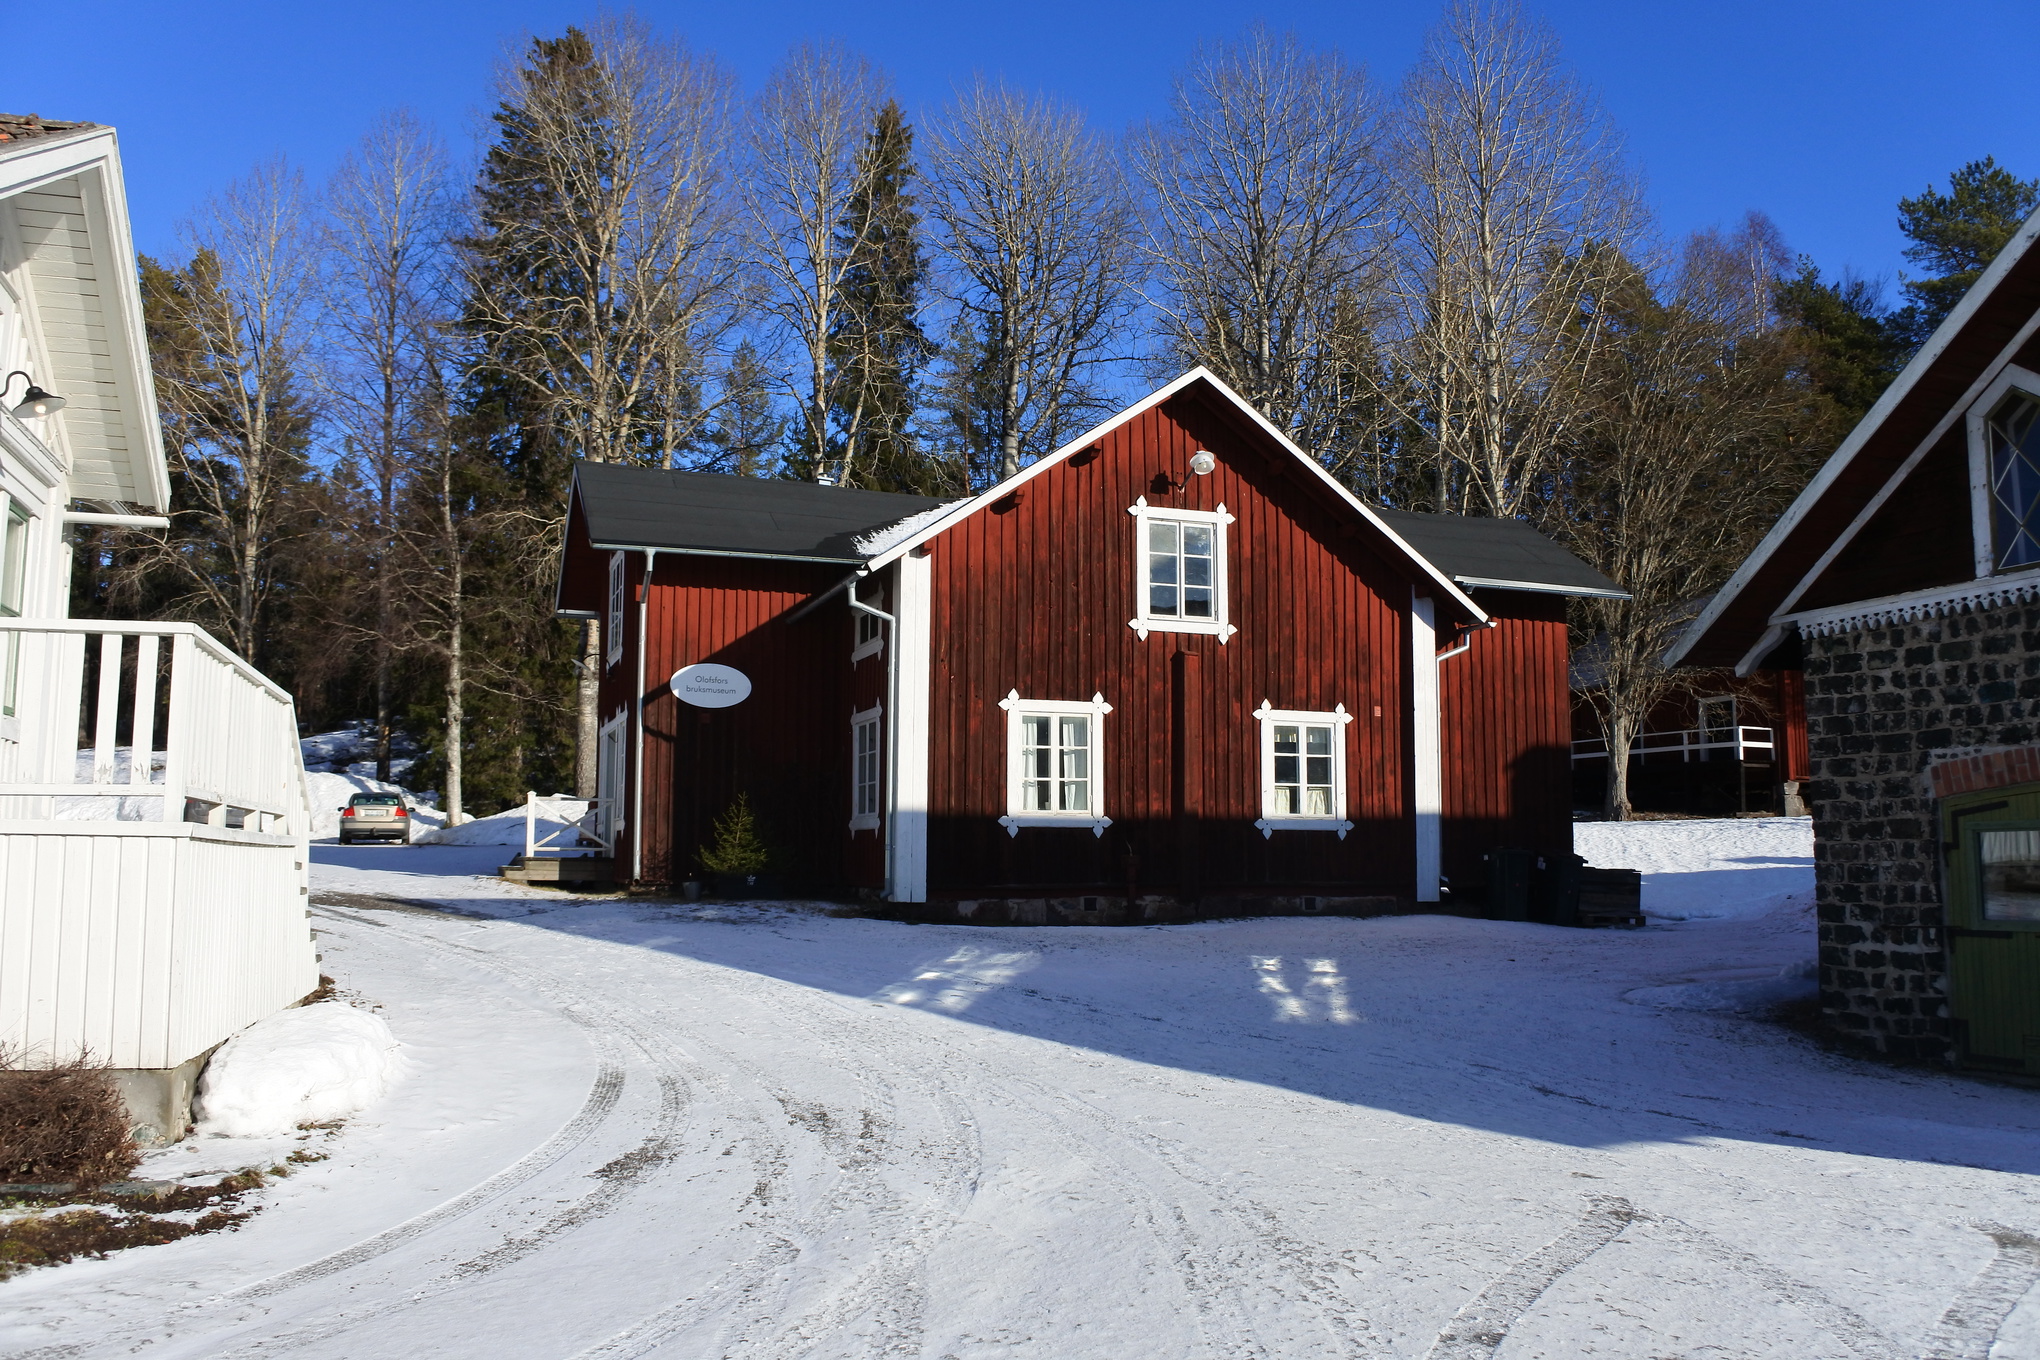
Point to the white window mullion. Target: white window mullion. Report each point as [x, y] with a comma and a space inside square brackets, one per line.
[616, 593]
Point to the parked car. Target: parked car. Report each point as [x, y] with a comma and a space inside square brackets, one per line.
[375, 817]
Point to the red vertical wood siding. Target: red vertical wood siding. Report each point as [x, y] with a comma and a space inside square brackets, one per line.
[787, 745]
[1036, 596]
[1505, 735]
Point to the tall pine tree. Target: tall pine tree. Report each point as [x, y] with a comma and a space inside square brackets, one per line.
[1956, 235]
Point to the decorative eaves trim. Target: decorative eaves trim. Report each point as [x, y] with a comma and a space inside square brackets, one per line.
[1914, 606]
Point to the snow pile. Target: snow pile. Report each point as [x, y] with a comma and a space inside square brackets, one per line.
[882, 540]
[299, 1066]
[330, 792]
[351, 751]
[563, 827]
[104, 808]
[1707, 870]
[1747, 990]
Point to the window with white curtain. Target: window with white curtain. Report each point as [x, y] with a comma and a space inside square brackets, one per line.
[1303, 770]
[1054, 763]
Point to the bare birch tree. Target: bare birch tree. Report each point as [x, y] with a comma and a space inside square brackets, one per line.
[807, 129]
[601, 275]
[1264, 225]
[1505, 175]
[228, 335]
[1033, 220]
[1687, 444]
[385, 298]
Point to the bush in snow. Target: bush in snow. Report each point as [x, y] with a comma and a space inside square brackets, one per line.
[65, 1122]
[300, 1066]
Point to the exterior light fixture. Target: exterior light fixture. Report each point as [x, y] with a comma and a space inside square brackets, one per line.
[1202, 463]
[34, 402]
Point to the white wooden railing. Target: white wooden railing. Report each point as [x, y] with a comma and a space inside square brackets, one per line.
[149, 722]
[580, 816]
[1687, 745]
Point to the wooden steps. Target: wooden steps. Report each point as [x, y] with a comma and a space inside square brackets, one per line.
[551, 871]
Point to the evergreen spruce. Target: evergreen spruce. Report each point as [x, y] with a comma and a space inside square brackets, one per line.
[738, 848]
[878, 349]
[1851, 346]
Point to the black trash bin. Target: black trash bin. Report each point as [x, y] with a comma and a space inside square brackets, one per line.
[1555, 888]
[1508, 884]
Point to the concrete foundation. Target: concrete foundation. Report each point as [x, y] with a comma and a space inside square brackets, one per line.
[158, 1099]
[1147, 909]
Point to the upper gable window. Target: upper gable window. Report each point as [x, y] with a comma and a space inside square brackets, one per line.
[2011, 435]
[1180, 570]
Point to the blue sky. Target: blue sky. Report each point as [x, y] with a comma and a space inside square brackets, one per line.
[1818, 112]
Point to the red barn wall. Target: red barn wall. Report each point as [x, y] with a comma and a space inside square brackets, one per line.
[1036, 595]
[787, 745]
[1505, 735]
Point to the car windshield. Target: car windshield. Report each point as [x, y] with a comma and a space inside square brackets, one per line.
[375, 800]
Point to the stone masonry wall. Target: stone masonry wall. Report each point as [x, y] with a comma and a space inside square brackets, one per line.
[1883, 706]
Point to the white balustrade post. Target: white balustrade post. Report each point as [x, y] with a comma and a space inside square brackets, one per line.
[177, 736]
[530, 824]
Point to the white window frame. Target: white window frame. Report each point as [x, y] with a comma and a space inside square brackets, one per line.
[1018, 709]
[15, 559]
[1271, 821]
[869, 717]
[1143, 623]
[1981, 517]
[616, 606]
[863, 646]
[609, 771]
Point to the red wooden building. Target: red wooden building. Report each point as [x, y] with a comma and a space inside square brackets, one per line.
[1173, 667]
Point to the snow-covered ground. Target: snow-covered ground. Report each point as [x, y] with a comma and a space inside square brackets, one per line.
[631, 1129]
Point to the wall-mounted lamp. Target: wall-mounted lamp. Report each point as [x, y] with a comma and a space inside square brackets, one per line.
[1201, 463]
[35, 402]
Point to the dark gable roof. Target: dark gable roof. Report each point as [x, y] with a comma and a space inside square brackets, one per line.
[1498, 553]
[706, 512]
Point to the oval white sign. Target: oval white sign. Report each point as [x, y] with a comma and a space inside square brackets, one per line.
[709, 686]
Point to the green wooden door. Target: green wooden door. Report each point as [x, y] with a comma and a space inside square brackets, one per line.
[1993, 931]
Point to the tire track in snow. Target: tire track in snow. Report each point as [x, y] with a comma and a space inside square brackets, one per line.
[1478, 1329]
[888, 1290]
[1969, 1328]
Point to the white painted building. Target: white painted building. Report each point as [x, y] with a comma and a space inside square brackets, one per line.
[153, 824]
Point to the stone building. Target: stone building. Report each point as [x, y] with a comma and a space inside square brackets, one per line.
[1904, 585]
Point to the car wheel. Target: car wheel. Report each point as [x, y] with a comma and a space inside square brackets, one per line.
[346, 840]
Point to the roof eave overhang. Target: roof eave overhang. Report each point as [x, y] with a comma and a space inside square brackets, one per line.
[726, 552]
[1540, 588]
[1091, 436]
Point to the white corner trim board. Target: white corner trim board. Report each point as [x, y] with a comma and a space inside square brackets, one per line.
[907, 876]
[1938, 602]
[1090, 772]
[1427, 782]
[1271, 820]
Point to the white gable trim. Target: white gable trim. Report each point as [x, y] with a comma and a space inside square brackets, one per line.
[1840, 459]
[1093, 435]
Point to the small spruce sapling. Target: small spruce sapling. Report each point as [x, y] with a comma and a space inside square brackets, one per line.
[738, 848]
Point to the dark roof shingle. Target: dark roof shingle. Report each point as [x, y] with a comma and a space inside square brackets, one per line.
[707, 512]
[1504, 553]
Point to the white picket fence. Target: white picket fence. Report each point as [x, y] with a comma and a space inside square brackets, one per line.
[154, 834]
